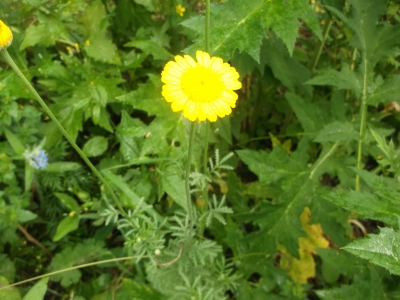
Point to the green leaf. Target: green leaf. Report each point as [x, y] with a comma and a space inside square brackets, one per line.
[96, 146]
[61, 167]
[101, 48]
[382, 249]
[67, 225]
[17, 146]
[240, 25]
[7, 269]
[345, 79]
[69, 202]
[386, 90]
[140, 291]
[337, 131]
[308, 113]
[288, 70]
[28, 176]
[370, 289]
[9, 293]
[367, 205]
[38, 291]
[174, 186]
[26, 216]
[152, 48]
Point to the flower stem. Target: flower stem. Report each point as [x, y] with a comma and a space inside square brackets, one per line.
[207, 46]
[11, 62]
[188, 163]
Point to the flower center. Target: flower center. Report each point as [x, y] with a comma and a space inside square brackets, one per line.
[201, 84]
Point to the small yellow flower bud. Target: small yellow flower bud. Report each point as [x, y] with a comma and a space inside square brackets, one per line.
[180, 10]
[6, 36]
[87, 42]
[71, 214]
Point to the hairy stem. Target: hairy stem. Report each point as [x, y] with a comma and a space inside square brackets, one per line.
[11, 62]
[188, 163]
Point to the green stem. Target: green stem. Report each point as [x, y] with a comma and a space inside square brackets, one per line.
[317, 54]
[208, 18]
[11, 62]
[69, 269]
[363, 124]
[188, 163]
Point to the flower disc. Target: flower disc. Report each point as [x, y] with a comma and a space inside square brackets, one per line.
[202, 89]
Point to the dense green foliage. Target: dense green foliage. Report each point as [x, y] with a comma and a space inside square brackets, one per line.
[300, 197]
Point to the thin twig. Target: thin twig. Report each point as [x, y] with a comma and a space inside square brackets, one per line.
[33, 240]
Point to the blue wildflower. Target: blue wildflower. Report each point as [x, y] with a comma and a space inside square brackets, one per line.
[41, 159]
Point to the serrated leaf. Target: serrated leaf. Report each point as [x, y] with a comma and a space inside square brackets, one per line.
[101, 48]
[371, 289]
[337, 131]
[148, 97]
[382, 249]
[308, 114]
[96, 146]
[38, 291]
[367, 205]
[345, 79]
[240, 25]
[288, 70]
[67, 225]
[388, 90]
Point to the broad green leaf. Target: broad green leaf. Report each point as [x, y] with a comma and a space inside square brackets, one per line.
[26, 216]
[387, 90]
[9, 293]
[17, 146]
[152, 48]
[174, 186]
[345, 79]
[7, 269]
[382, 249]
[38, 291]
[67, 225]
[370, 289]
[69, 202]
[148, 97]
[96, 146]
[337, 131]
[288, 70]
[101, 48]
[148, 4]
[368, 205]
[240, 25]
[61, 167]
[46, 33]
[308, 113]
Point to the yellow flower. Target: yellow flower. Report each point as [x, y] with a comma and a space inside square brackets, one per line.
[180, 10]
[6, 36]
[202, 89]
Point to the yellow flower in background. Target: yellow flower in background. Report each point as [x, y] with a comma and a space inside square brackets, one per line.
[6, 36]
[202, 89]
[180, 10]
